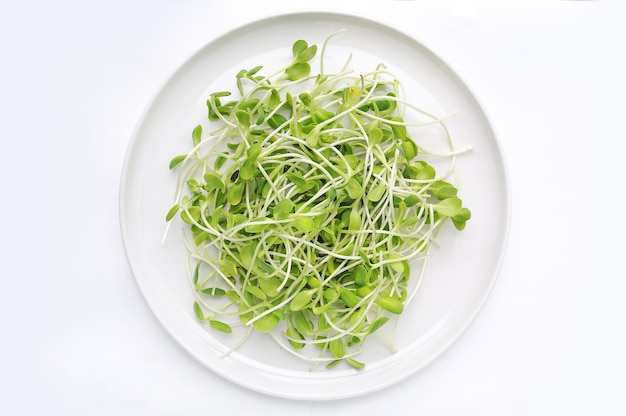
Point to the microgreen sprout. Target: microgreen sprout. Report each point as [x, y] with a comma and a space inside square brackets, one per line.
[307, 204]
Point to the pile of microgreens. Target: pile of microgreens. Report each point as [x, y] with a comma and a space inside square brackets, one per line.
[307, 205]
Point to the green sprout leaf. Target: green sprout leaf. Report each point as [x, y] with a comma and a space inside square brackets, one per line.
[196, 135]
[176, 160]
[298, 71]
[266, 324]
[283, 209]
[198, 311]
[299, 46]
[172, 212]
[390, 304]
[304, 224]
[354, 189]
[449, 207]
[302, 300]
[220, 326]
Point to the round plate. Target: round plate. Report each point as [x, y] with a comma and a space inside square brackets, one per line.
[460, 273]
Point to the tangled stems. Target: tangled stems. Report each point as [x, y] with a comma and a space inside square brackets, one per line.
[307, 206]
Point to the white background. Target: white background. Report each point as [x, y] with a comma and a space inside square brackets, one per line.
[77, 337]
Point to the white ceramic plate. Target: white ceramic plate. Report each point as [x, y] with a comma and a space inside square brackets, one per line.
[459, 276]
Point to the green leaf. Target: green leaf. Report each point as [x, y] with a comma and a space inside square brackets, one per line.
[201, 237]
[227, 108]
[354, 189]
[377, 324]
[214, 291]
[220, 326]
[176, 160]
[248, 169]
[299, 46]
[243, 117]
[303, 322]
[361, 276]
[254, 151]
[298, 180]
[256, 292]
[336, 347]
[276, 121]
[245, 314]
[427, 173]
[283, 209]
[409, 149]
[304, 224]
[292, 332]
[254, 70]
[196, 273]
[313, 138]
[375, 136]
[376, 193]
[233, 296]
[307, 54]
[363, 291]
[460, 219]
[322, 324]
[196, 135]
[390, 304]
[352, 160]
[446, 192]
[354, 340]
[350, 298]
[219, 161]
[269, 285]
[235, 193]
[261, 116]
[197, 310]
[302, 300]
[383, 107]
[313, 281]
[320, 115]
[459, 225]
[330, 295]
[221, 94]
[248, 104]
[191, 215]
[355, 220]
[305, 97]
[214, 104]
[354, 363]
[247, 255]
[264, 266]
[399, 130]
[298, 71]
[228, 267]
[193, 185]
[406, 272]
[409, 221]
[463, 215]
[172, 212]
[266, 323]
[274, 99]
[351, 96]
[448, 207]
[254, 227]
[411, 200]
[213, 182]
